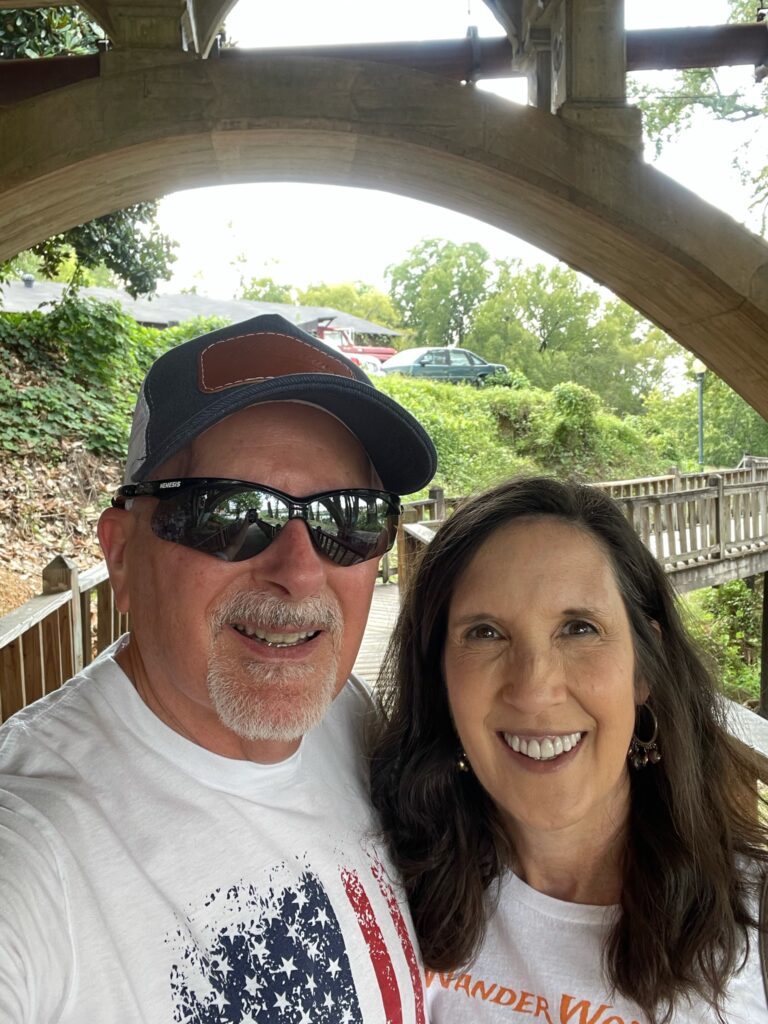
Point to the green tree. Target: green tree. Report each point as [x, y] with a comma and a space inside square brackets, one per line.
[732, 428]
[438, 287]
[549, 326]
[47, 32]
[669, 110]
[128, 242]
[266, 289]
[356, 298]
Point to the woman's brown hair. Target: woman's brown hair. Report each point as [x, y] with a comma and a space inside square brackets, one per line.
[694, 823]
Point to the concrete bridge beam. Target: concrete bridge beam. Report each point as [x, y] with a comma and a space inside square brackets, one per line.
[138, 132]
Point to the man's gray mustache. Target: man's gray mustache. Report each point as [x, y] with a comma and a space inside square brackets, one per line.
[278, 616]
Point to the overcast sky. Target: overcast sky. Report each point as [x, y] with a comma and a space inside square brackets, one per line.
[354, 234]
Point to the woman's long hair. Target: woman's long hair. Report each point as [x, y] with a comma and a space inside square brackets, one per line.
[685, 904]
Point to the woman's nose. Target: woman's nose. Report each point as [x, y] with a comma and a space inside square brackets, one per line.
[534, 681]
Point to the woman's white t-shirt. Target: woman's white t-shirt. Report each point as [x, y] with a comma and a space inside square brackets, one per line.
[542, 962]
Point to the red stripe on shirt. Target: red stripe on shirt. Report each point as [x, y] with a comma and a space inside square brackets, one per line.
[377, 949]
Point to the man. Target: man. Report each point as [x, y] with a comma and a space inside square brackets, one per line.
[184, 827]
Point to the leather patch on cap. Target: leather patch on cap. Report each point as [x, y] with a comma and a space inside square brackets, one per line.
[248, 358]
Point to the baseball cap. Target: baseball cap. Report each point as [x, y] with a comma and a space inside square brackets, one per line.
[193, 386]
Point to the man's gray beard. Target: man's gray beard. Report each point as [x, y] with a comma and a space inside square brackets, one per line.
[279, 702]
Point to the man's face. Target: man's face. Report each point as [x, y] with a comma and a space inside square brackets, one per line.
[244, 657]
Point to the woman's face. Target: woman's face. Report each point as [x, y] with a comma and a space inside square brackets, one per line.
[539, 668]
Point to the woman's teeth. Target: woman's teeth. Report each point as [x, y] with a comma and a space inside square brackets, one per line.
[274, 639]
[544, 749]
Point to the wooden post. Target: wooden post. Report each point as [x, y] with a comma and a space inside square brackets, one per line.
[721, 517]
[410, 515]
[763, 708]
[674, 472]
[60, 576]
[437, 495]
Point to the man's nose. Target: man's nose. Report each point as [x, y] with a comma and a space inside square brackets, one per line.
[291, 564]
[534, 680]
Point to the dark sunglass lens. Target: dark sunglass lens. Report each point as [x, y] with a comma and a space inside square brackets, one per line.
[351, 528]
[234, 522]
[229, 523]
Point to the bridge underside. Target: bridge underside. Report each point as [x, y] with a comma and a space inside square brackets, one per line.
[137, 132]
[156, 114]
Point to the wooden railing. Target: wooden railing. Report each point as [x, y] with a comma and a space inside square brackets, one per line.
[694, 523]
[52, 637]
[703, 528]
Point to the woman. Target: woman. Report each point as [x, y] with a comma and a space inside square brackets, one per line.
[577, 832]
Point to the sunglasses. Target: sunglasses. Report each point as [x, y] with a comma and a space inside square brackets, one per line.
[235, 520]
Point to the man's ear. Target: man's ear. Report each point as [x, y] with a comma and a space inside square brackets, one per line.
[114, 530]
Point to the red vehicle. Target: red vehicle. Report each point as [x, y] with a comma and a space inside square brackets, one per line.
[380, 351]
[338, 338]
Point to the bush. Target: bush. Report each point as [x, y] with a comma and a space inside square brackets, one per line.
[74, 373]
[726, 620]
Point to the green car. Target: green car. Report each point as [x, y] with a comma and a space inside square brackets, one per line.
[452, 364]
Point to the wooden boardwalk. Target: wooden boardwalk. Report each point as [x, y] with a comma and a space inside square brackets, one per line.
[384, 609]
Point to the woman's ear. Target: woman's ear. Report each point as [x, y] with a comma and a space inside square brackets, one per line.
[114, 529]
[642, 692]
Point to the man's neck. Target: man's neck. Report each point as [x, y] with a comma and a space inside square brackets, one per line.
[211, 735]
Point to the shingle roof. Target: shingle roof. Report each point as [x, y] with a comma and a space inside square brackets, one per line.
[162, 310]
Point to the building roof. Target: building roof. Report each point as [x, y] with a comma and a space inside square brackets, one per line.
[164, 310]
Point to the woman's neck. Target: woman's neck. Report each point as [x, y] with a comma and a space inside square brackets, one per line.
[570, 865]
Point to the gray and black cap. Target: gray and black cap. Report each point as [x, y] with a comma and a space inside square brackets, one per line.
[192, 387]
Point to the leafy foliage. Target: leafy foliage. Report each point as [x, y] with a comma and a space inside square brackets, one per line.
[732, 428]
[47, 31]
[266, 289]
[437, 288]
[357, 298]
[73, 374]
[487, 434]
[669, 111]
[128, 243]
[727, 623]
[545, 324]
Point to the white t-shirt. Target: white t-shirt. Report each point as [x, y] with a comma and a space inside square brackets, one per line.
[145, 879]
[542, 962]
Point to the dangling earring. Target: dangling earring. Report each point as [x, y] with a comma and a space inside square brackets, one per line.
[641, 752]
[462, 762]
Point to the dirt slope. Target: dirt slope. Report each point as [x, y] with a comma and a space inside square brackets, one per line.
[48, 510]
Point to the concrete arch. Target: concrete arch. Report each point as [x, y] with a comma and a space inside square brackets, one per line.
[136, 133]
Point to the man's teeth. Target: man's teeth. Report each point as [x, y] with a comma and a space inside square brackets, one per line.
[544, 749]
[274, 639]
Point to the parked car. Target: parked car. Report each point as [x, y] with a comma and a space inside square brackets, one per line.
[453, 364]
[371, 364]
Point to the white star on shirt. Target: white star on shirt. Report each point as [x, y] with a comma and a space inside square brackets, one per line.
[281, 1003]
[322, 916]
[333, 968]
[252, 985]
[287, 966]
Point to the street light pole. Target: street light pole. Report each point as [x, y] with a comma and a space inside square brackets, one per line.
[699, 368]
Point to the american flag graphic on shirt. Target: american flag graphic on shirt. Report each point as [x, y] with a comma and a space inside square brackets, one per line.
[277, 955]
